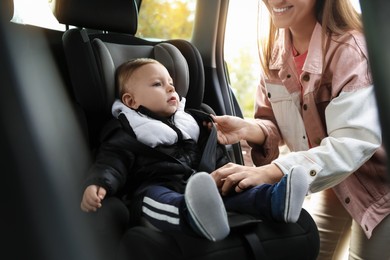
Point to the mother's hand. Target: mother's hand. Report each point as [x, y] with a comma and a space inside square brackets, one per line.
[233, 129]
[239, 177]
[229, 128]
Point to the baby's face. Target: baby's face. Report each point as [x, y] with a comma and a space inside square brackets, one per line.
[152, 87]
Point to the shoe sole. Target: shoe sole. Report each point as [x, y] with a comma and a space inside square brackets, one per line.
[206, 207]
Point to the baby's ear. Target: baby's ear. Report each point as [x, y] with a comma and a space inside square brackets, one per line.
[129, 101]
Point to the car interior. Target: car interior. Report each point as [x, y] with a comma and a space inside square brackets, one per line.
[93, 57]
[56, 94]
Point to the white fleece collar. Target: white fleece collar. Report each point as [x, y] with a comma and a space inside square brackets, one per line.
[153, 132]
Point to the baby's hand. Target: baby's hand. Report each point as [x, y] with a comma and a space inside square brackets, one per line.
[92, 198]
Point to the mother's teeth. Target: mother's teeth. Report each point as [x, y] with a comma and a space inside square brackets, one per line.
[279, 10]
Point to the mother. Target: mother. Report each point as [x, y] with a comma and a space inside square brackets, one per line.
[316, 95]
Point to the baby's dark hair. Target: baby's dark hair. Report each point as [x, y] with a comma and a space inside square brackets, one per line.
[126, 69]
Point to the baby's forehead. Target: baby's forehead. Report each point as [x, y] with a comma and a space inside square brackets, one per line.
[160, 69]
[148, 73]
[153, 66]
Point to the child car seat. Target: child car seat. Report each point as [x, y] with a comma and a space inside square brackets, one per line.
[103, 40]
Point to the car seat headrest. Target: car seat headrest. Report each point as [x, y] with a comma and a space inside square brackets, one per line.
[107, 15]
[111, 55]
[176, 64]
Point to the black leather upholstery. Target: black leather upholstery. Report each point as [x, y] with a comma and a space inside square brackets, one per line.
[108, 15]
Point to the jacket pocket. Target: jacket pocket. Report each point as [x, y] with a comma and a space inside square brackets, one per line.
[287, 112]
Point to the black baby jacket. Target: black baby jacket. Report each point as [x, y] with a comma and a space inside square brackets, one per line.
[124, 165]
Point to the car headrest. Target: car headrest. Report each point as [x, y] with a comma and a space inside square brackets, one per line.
[107, 15]
[110, 56]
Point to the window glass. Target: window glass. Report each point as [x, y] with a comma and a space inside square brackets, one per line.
[36, 12]
[166, 19]
[241, 52]
[356, 4]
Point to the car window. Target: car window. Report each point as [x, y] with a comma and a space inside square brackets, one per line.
[36, 12]
[166, 19]
[356, 4]
[158, 19]
[241, 52]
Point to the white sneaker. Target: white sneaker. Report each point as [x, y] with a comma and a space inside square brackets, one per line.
[205, 207]
[289, 194]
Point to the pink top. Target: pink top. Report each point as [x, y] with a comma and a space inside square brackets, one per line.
[331, 106]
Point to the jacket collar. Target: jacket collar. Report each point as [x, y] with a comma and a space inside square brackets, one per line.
[282, 51]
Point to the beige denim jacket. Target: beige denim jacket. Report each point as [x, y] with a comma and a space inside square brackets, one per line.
[333, 130]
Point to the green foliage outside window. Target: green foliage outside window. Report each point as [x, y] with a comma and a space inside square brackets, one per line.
[166, 19]
[243, 76]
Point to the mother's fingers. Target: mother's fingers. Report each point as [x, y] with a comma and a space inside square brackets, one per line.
[242, 185]
[231, 174]
[220, 174]
[232, 181]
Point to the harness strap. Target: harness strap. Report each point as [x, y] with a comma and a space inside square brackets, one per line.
[256, 247]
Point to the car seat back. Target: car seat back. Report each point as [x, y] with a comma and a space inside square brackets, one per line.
[102, 40]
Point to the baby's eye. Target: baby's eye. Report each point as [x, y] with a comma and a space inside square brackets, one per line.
[157, 84]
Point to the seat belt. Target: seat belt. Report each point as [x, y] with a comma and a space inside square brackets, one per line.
[257, 248]
[208, 160]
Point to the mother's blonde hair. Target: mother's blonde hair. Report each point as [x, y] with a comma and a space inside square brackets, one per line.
[335, 16]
